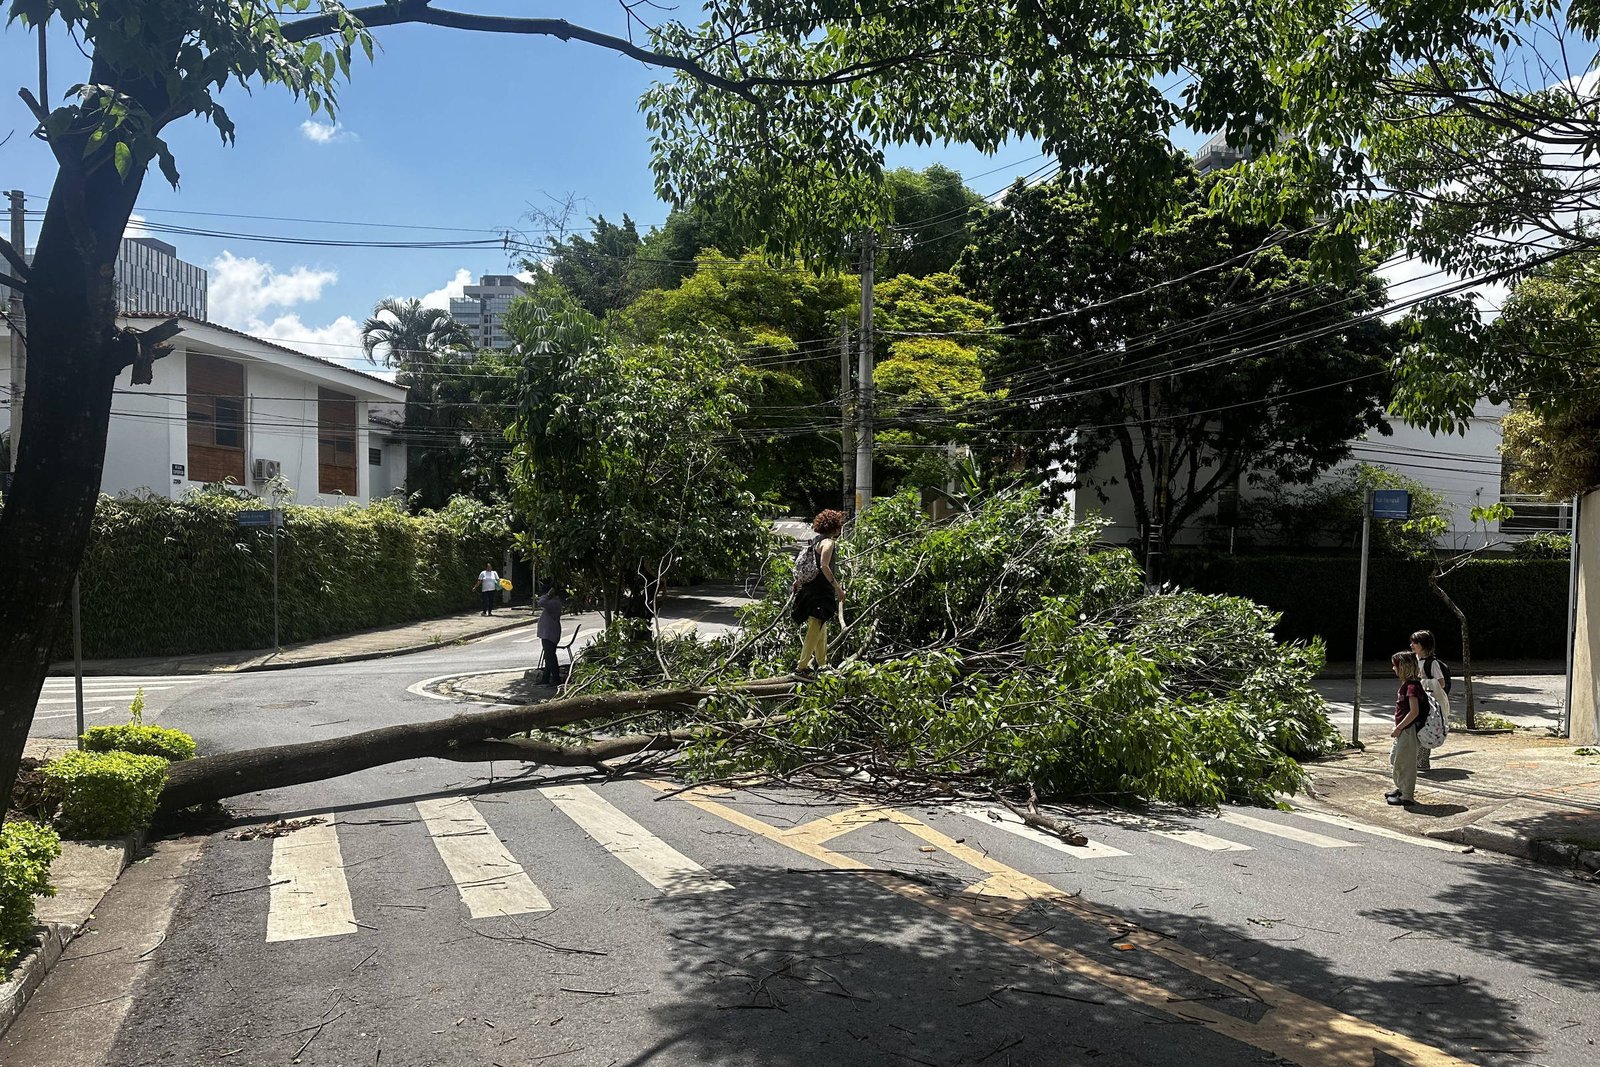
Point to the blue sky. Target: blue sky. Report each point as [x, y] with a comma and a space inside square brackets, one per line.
[444, 129]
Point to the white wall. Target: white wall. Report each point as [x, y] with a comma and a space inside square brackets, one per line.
[389, 477]
[1465, 469]
[148, 433]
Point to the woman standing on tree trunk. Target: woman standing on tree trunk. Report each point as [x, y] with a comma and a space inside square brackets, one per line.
[817, 592]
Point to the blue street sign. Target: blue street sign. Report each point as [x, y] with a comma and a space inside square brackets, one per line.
[262, 517]
[1391, 504]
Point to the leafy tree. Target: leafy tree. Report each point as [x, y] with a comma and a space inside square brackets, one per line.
[599, 270]
[1538, 353]
[457, 411]
[1203, 352]
[784, 321]
[456, 401]
[621, 470]
[932, 214]
[925, 386]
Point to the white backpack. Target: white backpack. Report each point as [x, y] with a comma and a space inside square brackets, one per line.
[1435, 729]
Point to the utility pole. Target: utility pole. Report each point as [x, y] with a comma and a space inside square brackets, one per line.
[847, 430]
[19, 353]
[869, 249]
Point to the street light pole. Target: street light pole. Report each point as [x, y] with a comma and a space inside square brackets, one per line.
[1361, 614]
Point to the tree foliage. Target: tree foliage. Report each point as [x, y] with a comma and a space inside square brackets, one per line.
[621, 468]
[1005, 649]
[1199, 353]
[1539, 354]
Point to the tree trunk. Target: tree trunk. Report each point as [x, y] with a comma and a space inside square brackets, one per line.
[470, 737]
[74, 359]
[1466, 648]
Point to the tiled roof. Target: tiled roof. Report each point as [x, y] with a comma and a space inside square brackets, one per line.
[269, 344]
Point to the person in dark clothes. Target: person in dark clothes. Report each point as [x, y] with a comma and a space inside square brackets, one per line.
[817, 592]
[551, 604]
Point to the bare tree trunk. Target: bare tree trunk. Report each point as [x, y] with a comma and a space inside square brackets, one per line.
[470, 737]
[76, 355]
[1466, 648]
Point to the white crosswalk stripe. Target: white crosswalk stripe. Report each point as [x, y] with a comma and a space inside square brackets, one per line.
[489, 878]
[650, 857]
[309, 894]
[1288, 833]
[1001, 819]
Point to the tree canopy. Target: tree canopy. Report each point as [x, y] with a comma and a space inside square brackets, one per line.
[1200, 353]
[622, 468]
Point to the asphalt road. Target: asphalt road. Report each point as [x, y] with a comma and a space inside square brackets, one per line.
[448, 914]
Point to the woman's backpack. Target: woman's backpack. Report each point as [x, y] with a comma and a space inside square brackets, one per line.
[809, 564]
[1434, 729]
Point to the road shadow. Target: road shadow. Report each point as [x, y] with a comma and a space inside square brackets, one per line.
[1538, 918]
[805, 967]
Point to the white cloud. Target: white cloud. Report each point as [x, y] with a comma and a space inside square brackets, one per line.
[325, 132]
[440, 298]
[340, 340]
[136, 227]
[241, 290]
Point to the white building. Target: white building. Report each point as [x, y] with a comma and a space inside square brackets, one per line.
[481, 309]
[1466, 469]
[227, 407]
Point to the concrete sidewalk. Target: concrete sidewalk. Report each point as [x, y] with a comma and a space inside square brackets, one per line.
[368, 644]
[1517, 793]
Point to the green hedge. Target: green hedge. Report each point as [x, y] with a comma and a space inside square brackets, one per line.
[105, 794]
[26, 851]
[141, 740]
[1516, 608]
[163, 577]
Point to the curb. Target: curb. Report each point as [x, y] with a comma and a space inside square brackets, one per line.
[320, 661]
[51, 940]
[1540, 850]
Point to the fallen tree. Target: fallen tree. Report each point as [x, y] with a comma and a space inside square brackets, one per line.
[1004, 652]
[473, 737]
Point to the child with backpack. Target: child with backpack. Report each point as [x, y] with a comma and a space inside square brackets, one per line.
[1435, 677]
[1411, 710]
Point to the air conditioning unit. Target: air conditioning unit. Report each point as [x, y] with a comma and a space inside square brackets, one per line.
[265, 470]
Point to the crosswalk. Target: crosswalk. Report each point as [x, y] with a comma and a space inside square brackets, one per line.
[310, 895]
[106, 699]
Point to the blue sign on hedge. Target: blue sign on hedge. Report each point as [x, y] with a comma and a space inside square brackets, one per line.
[262, 517]
[1391, 504]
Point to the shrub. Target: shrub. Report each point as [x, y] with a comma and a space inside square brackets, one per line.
[1546, 545]
[1517, 608]
[168, 576]
[26, 850]
[105, 794]
[171, 745]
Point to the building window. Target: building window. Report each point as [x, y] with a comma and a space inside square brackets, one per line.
[216, 419]
[336, 442]
[375, 457]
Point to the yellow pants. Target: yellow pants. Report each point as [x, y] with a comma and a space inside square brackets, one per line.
[816, 644]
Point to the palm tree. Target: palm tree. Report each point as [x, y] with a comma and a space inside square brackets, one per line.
[411, 336]
[427, 347]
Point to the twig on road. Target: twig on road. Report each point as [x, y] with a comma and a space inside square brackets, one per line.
[250, 888]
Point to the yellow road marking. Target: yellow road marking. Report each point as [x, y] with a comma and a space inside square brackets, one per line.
[1295, 1028]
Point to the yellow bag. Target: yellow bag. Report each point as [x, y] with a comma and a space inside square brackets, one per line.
[505, 583]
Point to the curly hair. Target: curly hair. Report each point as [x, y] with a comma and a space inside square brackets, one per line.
[828, 522]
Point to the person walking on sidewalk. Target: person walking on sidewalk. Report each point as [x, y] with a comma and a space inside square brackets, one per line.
[550, 605]
[1410, 712]
[817, 592]
[1435, 677]
[488, 585]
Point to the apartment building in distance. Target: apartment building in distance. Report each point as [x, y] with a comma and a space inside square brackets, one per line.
[151, 278]
[481, 309]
